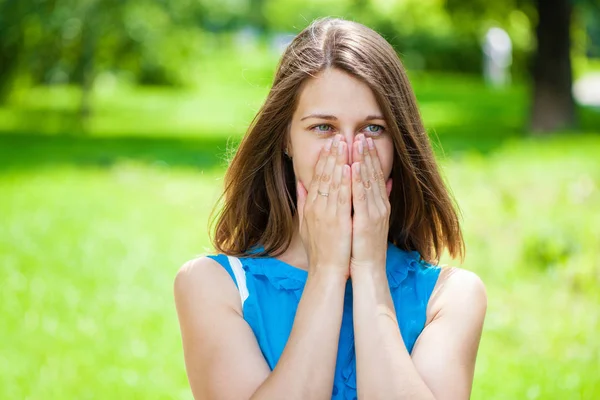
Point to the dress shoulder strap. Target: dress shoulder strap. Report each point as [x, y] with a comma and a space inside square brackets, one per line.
[240, 277]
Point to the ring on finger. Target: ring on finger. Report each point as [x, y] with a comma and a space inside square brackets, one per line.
[322, 194]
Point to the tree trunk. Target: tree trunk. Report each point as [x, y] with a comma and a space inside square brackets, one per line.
[11, 44]
[553, 105]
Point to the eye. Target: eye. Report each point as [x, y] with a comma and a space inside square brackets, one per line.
[374, 129]
[321, 128]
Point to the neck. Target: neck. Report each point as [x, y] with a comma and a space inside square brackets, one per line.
[295, 254]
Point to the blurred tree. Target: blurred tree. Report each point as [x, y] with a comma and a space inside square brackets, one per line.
[257, 16]
[11, 42]
[158, 42]
[72, 41]
[553, 106]
[551, 73]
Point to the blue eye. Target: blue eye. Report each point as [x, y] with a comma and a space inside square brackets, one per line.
[377, 131]
[372, 129]
[326, 126]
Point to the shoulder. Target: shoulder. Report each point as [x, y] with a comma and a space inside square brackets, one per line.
[457, 289]
[202, 281]
[195, 273]
[197, 267]
[445, 352]
[217, 341]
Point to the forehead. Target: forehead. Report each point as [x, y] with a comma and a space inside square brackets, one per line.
[337, 93]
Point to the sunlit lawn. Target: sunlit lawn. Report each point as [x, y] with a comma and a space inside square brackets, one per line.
[93, 229]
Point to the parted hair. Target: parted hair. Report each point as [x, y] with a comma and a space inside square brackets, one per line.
[259, 196]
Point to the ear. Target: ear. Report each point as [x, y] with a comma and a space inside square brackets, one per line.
[288, 149]
[388, 187]
[287, 142]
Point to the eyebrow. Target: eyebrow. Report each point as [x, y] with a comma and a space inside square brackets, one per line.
[334, 118]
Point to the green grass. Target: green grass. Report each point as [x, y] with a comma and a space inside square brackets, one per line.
[94, 227]
[532, 223]
[88, 258]
[229, 90]
[89, 254]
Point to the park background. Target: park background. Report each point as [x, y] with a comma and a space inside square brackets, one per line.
[117, 119]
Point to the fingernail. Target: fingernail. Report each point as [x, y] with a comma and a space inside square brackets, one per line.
[360, 148]
[328, 144]
[370, 143]
[336, 141]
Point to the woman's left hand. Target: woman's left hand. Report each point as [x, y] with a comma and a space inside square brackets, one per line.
[370, 199]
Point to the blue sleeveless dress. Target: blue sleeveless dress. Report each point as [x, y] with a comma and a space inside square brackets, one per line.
[274, 289]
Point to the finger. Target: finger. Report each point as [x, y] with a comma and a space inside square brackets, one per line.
[376, 165]
[344, 205]
[324, 185]
[336, 179]
[316, 179]
[357, 149]
[359, 195]
[300, 200]
[368, 185]
[370, 174]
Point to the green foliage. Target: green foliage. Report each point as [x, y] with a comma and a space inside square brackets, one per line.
[161, 43]
[62, 41]
[164, 42]
[548, 249]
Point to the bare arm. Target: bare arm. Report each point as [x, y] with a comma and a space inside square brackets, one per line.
[222, 356]
[443, 358]
[223, 359]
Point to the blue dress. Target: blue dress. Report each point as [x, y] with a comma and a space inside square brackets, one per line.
[274, 289]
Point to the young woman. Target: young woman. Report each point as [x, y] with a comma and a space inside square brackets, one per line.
[334, 218]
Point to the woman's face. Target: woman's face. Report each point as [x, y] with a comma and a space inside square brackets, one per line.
[331, 103]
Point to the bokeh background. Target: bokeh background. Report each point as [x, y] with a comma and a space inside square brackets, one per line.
[117, 119]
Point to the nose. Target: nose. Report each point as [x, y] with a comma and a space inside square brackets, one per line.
[349, 138]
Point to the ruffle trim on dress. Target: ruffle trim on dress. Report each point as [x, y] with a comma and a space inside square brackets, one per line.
[403, 261]
[287, 277]
[282, 276]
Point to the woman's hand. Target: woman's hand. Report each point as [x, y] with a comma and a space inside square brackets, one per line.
[325, 211]
[370, 198]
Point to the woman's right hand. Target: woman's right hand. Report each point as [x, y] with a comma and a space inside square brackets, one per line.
[325, 221]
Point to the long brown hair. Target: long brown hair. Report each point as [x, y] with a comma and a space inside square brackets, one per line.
[260, 187]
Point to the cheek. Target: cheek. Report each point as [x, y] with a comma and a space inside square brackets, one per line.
[387, 165]
[305, 159]
[386, 157]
